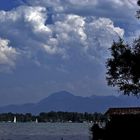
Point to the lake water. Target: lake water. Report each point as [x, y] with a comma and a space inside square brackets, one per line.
[45, 131]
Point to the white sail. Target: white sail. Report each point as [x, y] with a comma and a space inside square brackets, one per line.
[15, 119]
[36, 120]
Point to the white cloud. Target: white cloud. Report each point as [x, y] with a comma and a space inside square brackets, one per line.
[122, 13]
[100, 35]
[76, 34]
[25, 27]
[36, 16]
[69, 35]
[8, 54]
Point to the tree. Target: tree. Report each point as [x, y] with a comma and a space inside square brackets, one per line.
[123, 68]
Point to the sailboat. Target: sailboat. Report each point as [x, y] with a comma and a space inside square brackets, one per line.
[15, 119]
[36, 120]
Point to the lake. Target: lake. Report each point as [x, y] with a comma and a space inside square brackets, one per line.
[45, 131]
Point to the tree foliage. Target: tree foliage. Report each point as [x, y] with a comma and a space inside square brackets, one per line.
[123, 68]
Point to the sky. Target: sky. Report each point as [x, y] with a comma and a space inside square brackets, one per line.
[53, 45]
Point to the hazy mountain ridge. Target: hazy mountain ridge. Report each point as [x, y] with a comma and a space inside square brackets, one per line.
[65, 101]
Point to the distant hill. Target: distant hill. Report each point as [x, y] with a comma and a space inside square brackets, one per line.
[65, 101]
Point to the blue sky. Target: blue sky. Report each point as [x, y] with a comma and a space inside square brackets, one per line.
[54, 45]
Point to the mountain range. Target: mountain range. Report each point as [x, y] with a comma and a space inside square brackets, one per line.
[65, 101]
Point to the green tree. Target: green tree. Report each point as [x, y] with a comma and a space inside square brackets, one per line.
[123, 68]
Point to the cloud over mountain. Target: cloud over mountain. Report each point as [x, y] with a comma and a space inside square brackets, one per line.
[54, 44]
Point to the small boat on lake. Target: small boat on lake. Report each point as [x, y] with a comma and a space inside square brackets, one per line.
[36, 120]
[15, 119]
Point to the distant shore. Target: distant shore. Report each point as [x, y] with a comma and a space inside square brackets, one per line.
[69, 117]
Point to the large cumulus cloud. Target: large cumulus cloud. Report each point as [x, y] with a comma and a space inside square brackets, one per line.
[61, 44]
[27, 30]
[121, 12]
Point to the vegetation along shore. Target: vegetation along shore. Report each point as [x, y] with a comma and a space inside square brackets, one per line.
[52, 117]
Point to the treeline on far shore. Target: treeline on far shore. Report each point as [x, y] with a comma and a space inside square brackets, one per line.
[52, 117]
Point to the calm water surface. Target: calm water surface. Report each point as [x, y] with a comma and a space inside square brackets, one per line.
[45, 131]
